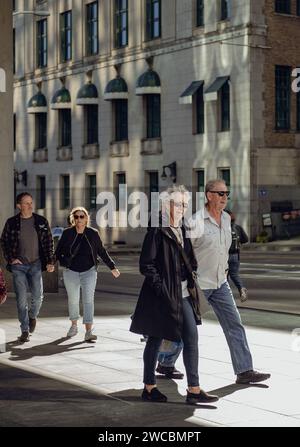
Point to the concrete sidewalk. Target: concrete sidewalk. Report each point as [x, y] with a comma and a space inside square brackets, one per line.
[47, 378]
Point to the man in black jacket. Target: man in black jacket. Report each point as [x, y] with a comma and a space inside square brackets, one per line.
[27, 246]
[239, 237]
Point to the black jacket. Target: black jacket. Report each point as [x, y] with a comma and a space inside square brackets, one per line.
[158, 311]
[97, 250]
[11, 236]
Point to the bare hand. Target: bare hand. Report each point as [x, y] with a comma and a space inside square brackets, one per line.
[115, 273]
[16, 261]
[50, 268]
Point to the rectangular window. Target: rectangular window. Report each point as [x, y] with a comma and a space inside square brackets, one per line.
[15, 132]
[121, 119]
[121, 23]
[92, 32]
[91, 191]
[65, 192]
[65, 124]
[225, 106]
[120, 179]
[40, 130]
[283, 6]
[199, 104]
[66, 36]
[41, 192]
[153, 19]
[224, 10]
[91, 124]
[298, 7]
[224, 174]
[42, 43]
[282, 97]
[14, 51]
[153, 185]
[200, 13]
[199, 189]
[153, 116]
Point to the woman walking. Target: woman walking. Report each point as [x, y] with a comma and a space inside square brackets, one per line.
[164, 309]
[78, 251]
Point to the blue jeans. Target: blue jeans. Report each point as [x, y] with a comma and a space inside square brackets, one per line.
[234, 270]
[86, 281]
[224, 306]
[190, 349]
[28, 276]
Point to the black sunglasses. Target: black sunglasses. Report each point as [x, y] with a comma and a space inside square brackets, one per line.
[221, 193]
[82, 216]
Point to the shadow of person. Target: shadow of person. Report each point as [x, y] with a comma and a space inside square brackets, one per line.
[174, 412]
[234, 387]
[45, 349]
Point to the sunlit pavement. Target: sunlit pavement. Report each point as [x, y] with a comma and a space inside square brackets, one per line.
[44, 382]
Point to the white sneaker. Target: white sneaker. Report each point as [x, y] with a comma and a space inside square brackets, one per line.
[243, 294]
[89, 336]
[72, 331]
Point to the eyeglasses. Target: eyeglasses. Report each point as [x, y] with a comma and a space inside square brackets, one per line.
[221, 193]
[180, 204]
[81, 216]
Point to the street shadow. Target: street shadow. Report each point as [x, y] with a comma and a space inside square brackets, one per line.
[234, 387]
[45, 349]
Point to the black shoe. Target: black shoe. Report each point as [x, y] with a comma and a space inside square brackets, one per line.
[154, 396]
[32, 324]
[170, 372]
[24, 337]
[252, 377]
[200, 398]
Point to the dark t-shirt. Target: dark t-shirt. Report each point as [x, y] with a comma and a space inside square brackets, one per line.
[83, 259]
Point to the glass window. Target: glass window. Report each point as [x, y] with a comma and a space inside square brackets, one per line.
[65, 192]
[298, 111]
[200, 13]
[120, 179]
[14, 51]
[199, 110]
[121, 119]
[91, 123]
[153, 19]
[224, 10]
[283, 6]
[225, 106]
[153, 186]
[40, 130]
[282, 97]
[224, 174]
[15, 132]
[91, 191]
[41, 192]
[121, 23]
[66, 36]
[199, 198]
[298, 7]
[42, 43]
[65, 124]
[92, 29]
[153, 116]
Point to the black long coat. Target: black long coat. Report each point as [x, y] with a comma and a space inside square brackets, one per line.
[158, 311]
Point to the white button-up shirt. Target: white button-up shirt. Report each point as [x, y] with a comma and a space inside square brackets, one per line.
[211, 250]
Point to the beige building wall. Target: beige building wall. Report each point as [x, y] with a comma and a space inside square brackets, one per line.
[182, 55]
[6, 112]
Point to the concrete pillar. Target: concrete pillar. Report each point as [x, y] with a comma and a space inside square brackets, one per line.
[6, 111]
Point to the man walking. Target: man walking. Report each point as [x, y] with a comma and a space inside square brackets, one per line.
[211, 251]
[27, 246]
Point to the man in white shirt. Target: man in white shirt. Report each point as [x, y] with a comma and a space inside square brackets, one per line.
[211, 250]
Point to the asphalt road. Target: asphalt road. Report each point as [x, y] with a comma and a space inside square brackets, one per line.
[272, 279]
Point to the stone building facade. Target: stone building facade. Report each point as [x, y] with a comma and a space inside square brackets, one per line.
[109, 92]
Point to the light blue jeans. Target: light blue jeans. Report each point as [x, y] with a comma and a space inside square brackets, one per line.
[27, 277]
[86, 281]
[224, 306]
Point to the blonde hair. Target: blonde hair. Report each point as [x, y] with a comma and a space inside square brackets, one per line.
[83, 210]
